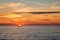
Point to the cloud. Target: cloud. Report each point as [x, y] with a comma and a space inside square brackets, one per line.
[17, 7]
[30, 18]
[37, 3]
[1, 7]
[55, 5]
[23, 7]
[13, 4]
[10, 7]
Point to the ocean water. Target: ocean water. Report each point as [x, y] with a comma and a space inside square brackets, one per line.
[30, 33]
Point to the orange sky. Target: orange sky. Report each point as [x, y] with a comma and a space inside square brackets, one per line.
[27, 18]
[8, 8]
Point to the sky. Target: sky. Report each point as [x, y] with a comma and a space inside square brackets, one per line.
[29, 5]
[10, 11]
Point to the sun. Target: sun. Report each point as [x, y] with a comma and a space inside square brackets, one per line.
[19, 25]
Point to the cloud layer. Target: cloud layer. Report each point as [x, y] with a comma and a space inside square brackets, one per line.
[27, 18]
[23, 7]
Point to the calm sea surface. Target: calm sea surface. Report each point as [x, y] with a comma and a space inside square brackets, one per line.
[30, 33]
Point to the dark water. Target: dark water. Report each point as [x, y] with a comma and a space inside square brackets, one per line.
[30, 33]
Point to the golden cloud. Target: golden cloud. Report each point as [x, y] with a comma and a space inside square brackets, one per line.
[12, 4]
[1, 7]
[28, 18]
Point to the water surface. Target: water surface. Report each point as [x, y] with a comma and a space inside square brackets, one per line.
[30, 33]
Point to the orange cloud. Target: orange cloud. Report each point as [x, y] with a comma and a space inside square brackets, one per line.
[1, 7]
[27, 18]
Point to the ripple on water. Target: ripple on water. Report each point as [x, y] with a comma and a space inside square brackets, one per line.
[30, 33]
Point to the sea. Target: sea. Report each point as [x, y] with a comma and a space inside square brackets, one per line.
[30, 33]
